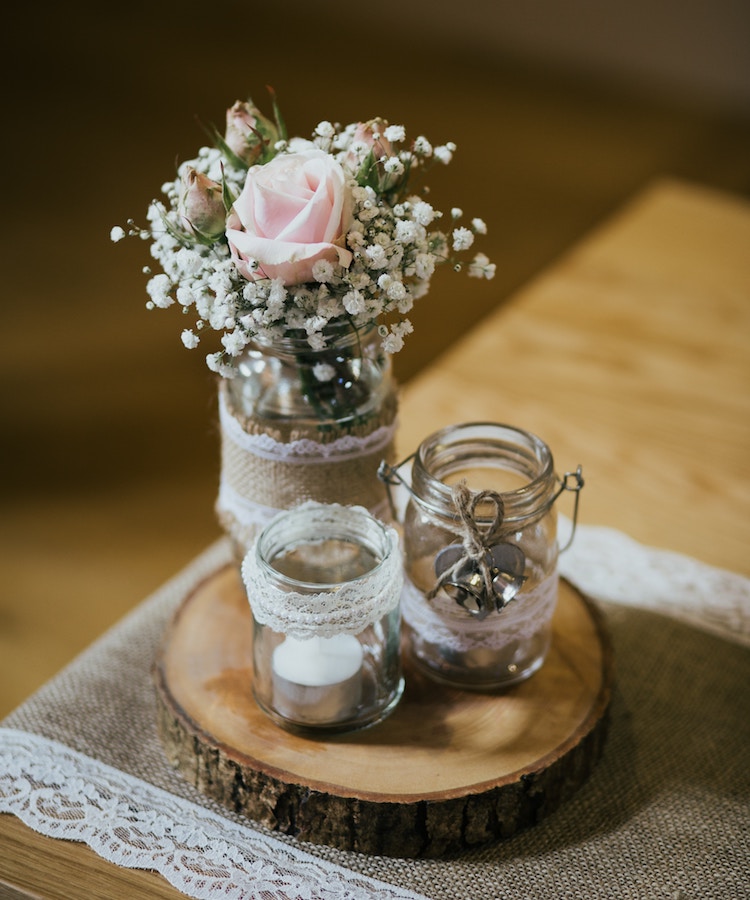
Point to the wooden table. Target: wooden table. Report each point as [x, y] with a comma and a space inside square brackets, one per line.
[630, 356]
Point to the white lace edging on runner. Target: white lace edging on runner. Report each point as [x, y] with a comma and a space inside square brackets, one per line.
[608, 565]
[304, 450]
[61, 793]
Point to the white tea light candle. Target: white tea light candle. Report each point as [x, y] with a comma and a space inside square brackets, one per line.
[318, 680]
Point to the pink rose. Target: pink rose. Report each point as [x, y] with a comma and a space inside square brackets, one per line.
[201, 206]
[292, 212]
[248, 131]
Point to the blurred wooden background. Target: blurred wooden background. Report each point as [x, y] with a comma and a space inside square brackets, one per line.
[109, 443]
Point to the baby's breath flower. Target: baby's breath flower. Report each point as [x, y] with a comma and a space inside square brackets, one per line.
[377, 256]
[315, 323]
[394, 341]
[216, 363]
[322, 270]
[278, 291]
[425, 265]
[396, 291]
[422, 147]
[360, 281]
[405, 303]
[423, 213]
[367, 212]
[190, 339]
[481, 267]
[316, 340]
[443, 154]
[117, 234]
[323, 371]
[406, 231]
[356, 239]
[456, 212]
[479, 226]
[324, 129]
[395, 133]
[234, 342]
[250, 293]
[331, 307]
[323, 135]
[354, 302]
[158, 289]
[463, 238]
[185, 297]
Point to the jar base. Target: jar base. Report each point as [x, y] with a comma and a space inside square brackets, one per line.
[472, 681]
[321, 730]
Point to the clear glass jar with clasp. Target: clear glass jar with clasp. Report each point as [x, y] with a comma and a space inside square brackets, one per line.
[480, 547]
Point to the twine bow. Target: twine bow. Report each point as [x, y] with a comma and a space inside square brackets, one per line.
[482, 571]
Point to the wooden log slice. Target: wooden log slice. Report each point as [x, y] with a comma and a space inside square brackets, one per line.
[448, 770]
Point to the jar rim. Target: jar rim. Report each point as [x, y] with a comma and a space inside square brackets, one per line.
[343, 332]
[526, 452]
[333, 522]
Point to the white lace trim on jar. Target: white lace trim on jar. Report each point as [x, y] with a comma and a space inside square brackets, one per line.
[303, 451]
[61, 793]
[254, 515]
[354, 606]
[443, 622]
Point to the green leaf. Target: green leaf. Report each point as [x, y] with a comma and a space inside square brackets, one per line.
[280, 124]
[227, 196]
[226, 151]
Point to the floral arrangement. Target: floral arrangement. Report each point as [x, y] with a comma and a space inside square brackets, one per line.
[263, 236]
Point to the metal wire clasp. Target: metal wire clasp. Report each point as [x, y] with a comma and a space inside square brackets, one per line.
[390, 476]
[571, 481]
[577, 487]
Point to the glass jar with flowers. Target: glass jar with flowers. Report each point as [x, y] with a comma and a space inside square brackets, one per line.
[306, 257]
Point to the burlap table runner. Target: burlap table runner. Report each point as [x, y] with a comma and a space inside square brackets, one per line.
[664, 815]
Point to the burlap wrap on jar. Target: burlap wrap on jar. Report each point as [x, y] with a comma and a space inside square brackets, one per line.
[270, 463]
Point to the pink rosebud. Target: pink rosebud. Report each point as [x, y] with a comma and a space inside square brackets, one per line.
[372, 158]
[292, 212]
[201, 206]
[369, 136]
[248, 131]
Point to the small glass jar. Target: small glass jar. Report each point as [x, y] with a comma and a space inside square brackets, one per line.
[324, 584]
[480, 547]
